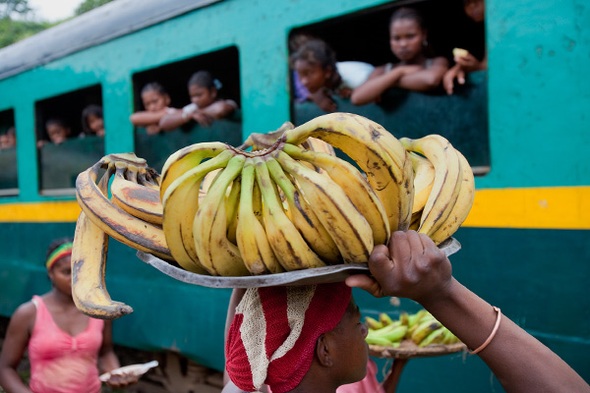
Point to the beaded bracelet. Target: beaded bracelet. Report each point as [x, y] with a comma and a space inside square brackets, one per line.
[492, 334]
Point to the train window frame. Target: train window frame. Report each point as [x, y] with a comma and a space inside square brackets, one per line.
[67, 106]
[7, 122]
[368, 42]
[173, 76]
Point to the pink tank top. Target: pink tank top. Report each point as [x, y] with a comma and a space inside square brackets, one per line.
[61, 363]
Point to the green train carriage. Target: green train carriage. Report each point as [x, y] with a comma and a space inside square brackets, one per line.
[523, 125]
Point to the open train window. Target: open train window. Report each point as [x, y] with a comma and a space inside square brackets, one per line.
[8, 174]
[155, 144]
[364, 36]
[65, 142]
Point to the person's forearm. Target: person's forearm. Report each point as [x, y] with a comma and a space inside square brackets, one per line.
[172, 121]
[373, 88]
[145, 118]
[11, 382]
[510, 351]
[420, 81]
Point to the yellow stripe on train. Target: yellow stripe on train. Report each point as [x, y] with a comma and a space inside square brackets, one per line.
[55, 211]
[539, 208]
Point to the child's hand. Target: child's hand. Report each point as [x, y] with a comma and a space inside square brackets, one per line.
[323, 99]
[153, 129]
[455, 72]
[202, 118]
[468, 62]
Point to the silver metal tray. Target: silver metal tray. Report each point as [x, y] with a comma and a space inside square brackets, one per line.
[333, 273]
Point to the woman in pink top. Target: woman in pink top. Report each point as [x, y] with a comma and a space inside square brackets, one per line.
[66, 348]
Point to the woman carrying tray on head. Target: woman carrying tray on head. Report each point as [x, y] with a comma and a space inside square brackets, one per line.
[311, 339]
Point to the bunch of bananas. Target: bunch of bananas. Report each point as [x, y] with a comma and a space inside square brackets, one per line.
[444, 186]
[283, 201]
[288, 205]
[421, 328]
[132, 215]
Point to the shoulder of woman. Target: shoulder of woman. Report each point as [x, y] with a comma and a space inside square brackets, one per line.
[24, 313]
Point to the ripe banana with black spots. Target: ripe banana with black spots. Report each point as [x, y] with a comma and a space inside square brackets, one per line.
[462, 205]
[346, 225]
[375, 150]
[216, 253]
[287, 242]
[135, 198]
[354, 184]
[113, 220]
[447, 181]
[181, 202]
[251, 236]
[187, 158]
[303, 216]
[423, 180]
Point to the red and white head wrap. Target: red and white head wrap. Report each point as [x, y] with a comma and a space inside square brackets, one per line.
[273, 335]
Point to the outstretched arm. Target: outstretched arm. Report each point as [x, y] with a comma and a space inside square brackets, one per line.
[426, 78]
[413, 267]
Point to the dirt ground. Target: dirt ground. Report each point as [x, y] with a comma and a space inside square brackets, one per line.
[175, 373]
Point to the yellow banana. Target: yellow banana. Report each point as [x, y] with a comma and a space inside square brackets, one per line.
[181, 202]
[423, 329]
[372, 323]
[319, 145]
[147, 177]
[232, 203]
[375, 150]
[383, 342]
[115, 221]
[447, 180]
[89, 256]
[253, 244]
[462, 205]
[354, 184]
[136, 199]
[434, 337]
[348, 228]
[385, 319]
[423, 180]
[303, 216]
[288, 244]
[187, 158]
[216, 253]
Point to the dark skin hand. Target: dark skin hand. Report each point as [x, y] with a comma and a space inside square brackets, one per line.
[412, 266]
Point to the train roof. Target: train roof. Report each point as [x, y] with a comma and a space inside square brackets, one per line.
[99, 25]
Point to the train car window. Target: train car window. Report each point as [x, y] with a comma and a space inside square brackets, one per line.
[8, 174]
[69, 137]
[215, 88]
[363, 36]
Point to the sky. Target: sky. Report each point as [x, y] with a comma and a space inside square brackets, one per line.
[53, 10]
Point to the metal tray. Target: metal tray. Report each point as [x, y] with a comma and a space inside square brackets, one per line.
[318, 275]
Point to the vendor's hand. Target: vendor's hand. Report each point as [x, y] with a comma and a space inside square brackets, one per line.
[123, 379]
[468, 62]
[411, 266]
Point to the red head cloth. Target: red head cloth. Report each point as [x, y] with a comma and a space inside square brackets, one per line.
[273, 335]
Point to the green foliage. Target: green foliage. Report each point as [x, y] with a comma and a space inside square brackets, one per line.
[12, 31]
[88, 5]
[10, 7]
